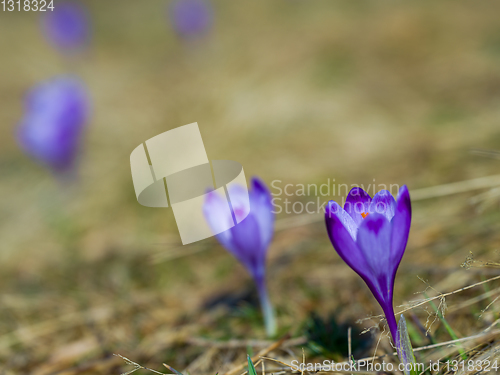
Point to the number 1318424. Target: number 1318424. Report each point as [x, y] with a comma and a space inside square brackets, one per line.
[27, 5]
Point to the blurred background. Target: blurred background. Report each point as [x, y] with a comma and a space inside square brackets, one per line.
[296, 91]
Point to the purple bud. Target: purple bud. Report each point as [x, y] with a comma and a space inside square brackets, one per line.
[56, 112]
[370, 235]
[67, 26]
[248, 240]
[191, 18]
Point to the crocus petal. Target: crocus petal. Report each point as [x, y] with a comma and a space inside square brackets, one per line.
[357, 202]
[401, 225]
[333, 208]
[246, 239]
[383, 203]
[215, 211]
[342, 238]
[239, 201]
[262, 209]
[374, 240]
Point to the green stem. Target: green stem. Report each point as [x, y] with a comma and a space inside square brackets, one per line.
[267, 308]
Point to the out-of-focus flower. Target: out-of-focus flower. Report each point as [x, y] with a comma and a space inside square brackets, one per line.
[370, 235]
[56, 112]
[191, 18]
[248, 240]
[67, 26]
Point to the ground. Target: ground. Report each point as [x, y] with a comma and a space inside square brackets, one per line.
[296, 91]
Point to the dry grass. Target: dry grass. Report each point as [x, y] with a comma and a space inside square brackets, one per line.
[295, 91]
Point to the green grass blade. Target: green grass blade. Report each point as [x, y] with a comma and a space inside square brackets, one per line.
[450, 330]
[405, 350]
[251, 367]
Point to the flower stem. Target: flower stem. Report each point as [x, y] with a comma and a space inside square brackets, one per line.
[267, 308]
[391, 322]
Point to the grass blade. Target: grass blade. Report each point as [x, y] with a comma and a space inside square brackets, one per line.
[251, 367]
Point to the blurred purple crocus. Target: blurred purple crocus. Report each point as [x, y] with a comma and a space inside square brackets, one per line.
[56, 112]
[370, 235]
[67, 26]
[191, 18]
[248, 240]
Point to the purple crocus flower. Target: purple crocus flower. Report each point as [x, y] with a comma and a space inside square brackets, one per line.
[56, 112]
[248, 240]
[370, 235]
[191, 18]
[67, 26]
